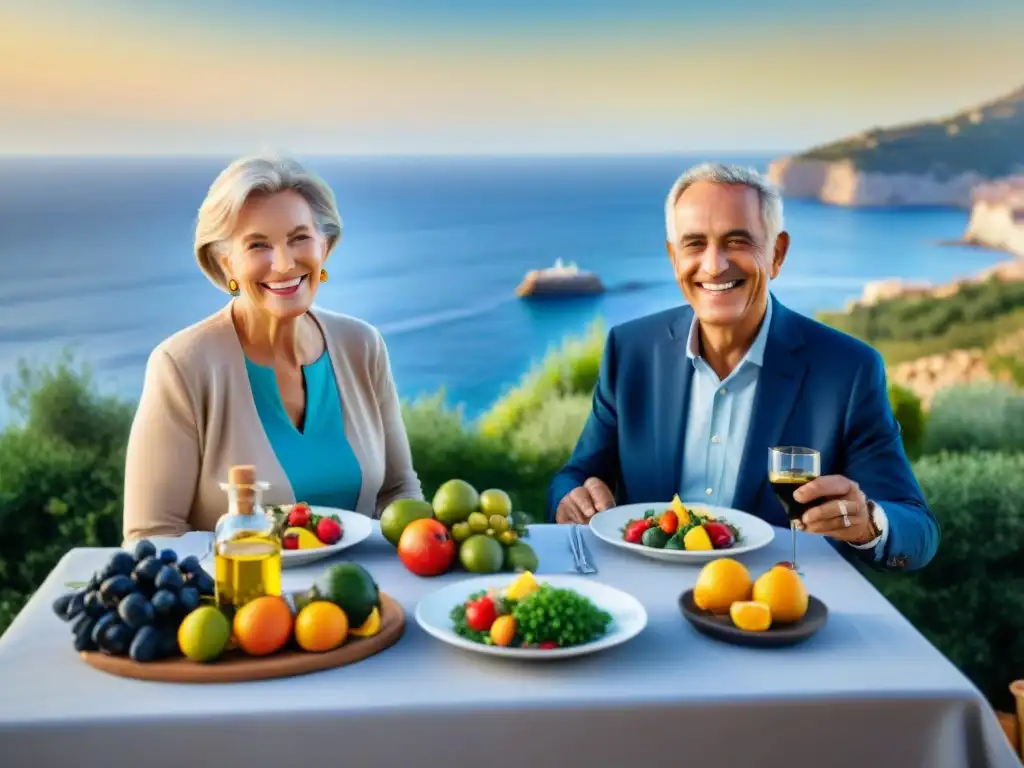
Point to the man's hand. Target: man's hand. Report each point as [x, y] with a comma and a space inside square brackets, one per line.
[835, 496]
[582, 503]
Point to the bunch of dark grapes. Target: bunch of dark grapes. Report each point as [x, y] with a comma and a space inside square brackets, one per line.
[134, 604]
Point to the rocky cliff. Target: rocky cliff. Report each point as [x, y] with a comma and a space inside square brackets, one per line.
[997, 215]
[935, 162]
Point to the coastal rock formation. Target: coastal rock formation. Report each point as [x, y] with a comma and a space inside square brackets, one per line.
[997, 215]
[877, 291]
[926, 376]
[935, 162]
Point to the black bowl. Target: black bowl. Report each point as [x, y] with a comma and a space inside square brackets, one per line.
[722, 628]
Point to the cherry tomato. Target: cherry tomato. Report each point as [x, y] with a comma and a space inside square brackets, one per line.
[480, 614]
[669, 522]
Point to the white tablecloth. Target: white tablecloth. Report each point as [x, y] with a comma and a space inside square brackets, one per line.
[868, 690]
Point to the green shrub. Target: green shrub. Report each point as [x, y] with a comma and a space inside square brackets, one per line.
[983, 416]
[571, 369]
[967, 601]
[61, 475]
[908, 328]
[553, 430]
[906, 407]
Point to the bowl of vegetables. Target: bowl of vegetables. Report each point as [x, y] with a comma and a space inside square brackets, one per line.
[520, 616]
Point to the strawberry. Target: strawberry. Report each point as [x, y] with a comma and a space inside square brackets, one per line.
[721, 537]
[547, 645]
[291, 541]
[635, 530]
[328, 530]
[299, 516]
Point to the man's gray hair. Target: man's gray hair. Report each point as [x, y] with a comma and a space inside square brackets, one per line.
[721, 173]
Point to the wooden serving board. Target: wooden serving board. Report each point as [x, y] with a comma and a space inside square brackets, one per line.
[236, 667]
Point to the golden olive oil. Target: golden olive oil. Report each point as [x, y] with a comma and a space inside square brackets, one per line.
[246, 568]
[247, 548]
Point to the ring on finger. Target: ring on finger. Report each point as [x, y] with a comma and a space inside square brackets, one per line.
[844, 513]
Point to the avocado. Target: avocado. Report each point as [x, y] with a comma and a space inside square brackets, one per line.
[350, 587]
[400, 513]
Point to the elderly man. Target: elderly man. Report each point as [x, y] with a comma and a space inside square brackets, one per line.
[690, 400]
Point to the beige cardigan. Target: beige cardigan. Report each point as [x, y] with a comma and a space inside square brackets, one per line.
[197, 417]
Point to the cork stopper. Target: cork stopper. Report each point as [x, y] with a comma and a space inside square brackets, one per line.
[243, 478]
[242, 474]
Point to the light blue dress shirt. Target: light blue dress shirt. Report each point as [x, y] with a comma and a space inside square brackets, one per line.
[718, 422]
[318, 461]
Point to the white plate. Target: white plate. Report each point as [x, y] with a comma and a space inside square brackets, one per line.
[628, 616]
[354, 529]
[755, 533]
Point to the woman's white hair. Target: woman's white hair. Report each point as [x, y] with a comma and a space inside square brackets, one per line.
[721, 173]
[257, 175]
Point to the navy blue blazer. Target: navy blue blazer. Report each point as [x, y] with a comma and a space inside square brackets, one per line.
[819, 387]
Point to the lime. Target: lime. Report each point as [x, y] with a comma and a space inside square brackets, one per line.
[498, 523]
[454, 501]
[519, 556]
[495, 501]
[478, 522]
[399, 514]
[461, 531]
[508, 537]
[481, 554]
[204, 634]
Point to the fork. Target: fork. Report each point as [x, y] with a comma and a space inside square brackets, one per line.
[579, 551]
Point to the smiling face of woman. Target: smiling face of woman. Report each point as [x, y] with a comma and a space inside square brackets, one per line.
[275, 254]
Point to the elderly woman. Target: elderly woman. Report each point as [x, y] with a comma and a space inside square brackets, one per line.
[305, 395]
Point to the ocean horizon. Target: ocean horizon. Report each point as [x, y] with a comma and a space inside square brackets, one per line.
[98, 257]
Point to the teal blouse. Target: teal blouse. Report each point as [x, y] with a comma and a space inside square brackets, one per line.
[318, 461]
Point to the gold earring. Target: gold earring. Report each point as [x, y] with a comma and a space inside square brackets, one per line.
[323, 275]
[233, 287]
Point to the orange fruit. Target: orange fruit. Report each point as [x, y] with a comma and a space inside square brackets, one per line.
[321, 626]
[721, 583]
[783, 591]
[750, 615]
[370, 627]
[263, 626]
[503, 630]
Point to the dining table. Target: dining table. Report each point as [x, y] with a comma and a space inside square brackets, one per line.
[867, 689]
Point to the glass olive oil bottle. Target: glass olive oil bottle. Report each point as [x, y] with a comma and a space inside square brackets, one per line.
[247, 551]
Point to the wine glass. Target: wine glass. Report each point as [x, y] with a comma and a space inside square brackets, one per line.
[789, 467]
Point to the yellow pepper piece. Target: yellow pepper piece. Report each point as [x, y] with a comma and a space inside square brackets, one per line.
[307, 539]
[680, 510]
[524, 584]
[697, 539]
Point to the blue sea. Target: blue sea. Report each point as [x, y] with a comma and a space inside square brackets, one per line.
[96, 256]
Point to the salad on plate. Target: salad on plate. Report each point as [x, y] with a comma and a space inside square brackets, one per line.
[530, 614]
[681, 528]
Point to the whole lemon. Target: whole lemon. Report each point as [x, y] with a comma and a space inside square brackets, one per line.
[783, 591]
[721, 583]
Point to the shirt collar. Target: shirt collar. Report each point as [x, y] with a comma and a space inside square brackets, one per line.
[754, 355]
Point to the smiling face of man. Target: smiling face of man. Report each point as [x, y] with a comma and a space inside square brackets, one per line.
[722, 257]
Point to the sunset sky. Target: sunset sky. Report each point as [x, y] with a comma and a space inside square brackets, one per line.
[473, 76]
